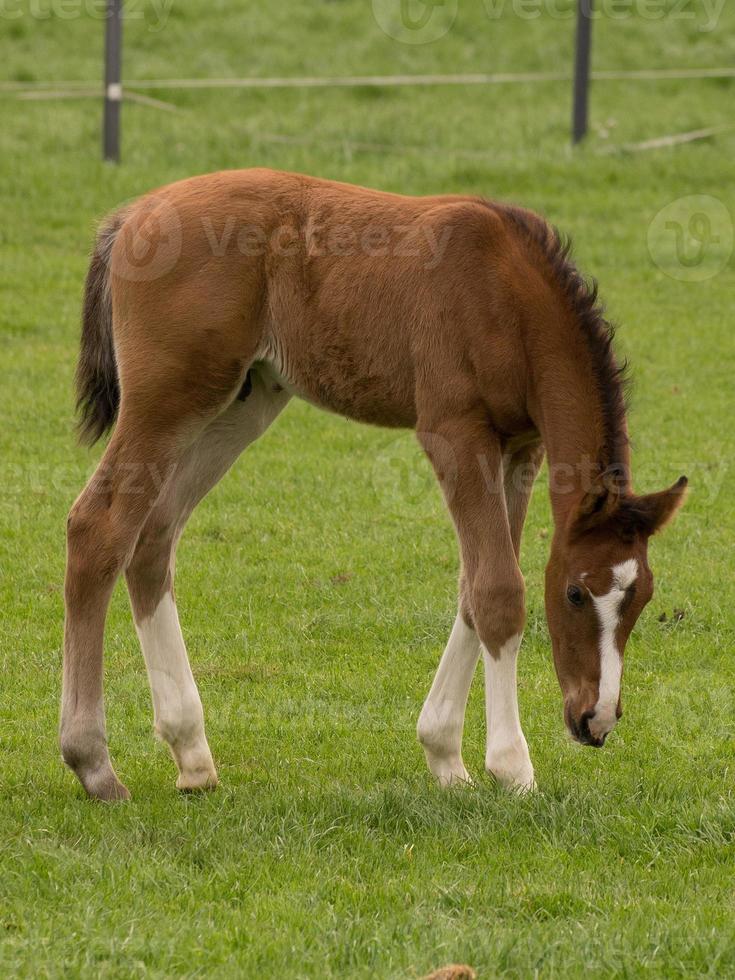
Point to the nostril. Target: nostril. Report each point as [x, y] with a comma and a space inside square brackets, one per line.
[570, 721]
[584, 725]
[585, 735]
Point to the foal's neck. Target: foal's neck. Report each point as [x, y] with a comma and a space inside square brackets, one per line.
[575, 387]
[578, 407]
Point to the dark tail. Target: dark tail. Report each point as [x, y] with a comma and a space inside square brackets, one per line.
[97, 383]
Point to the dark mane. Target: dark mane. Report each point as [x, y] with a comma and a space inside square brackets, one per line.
[611, 377]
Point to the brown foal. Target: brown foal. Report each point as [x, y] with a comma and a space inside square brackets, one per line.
[210, 302]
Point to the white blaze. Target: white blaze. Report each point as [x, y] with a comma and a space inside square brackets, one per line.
[611, 662]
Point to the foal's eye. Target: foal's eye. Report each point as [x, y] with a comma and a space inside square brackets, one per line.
[575, 595]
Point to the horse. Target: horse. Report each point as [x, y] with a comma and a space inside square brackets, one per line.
[209, 303]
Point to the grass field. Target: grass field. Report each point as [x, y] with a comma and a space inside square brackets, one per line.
[317, 583]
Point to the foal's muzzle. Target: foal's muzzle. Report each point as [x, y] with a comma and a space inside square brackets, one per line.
[579, 728]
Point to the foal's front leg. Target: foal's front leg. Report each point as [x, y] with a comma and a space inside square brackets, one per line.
[493, 597]
[507, 752]
[506, 757]
[442, 718]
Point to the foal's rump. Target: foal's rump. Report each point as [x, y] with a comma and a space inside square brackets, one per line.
[356, 298]
[172, 315]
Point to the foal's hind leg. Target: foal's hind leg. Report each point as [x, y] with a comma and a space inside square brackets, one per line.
[102, 530]
[166, 404]
[177, 708]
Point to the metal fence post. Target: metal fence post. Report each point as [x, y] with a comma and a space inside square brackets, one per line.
[582, 71]
[113, 87]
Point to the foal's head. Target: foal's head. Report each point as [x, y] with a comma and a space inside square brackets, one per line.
[597, 583]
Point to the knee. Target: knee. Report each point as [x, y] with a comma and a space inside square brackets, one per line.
[465, 600]
[432, 729]
[154, 541]
[92, 555]
[81, 523]
[498, 609]
[149, 571]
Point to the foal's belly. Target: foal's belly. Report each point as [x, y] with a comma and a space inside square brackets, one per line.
[339, 374]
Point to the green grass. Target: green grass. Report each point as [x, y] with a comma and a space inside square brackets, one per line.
[316, 592]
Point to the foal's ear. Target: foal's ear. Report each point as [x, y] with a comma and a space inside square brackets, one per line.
[654, 511]
[601, 500]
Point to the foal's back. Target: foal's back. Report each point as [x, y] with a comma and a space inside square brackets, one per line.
[355, 297]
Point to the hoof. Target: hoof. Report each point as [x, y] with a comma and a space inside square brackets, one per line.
[511, 766]
[521, 788]
[448, 772]
[521, 782]
[455, 777]
[197, 781]
[104, 786]
[86, 755]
